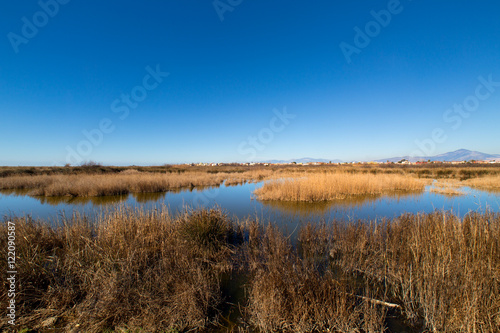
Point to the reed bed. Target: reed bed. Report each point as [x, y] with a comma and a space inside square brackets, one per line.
[113, 184]
[135, 270]
[449, 191]
[333, 186]
[449, 187]
[97, 180]
[124, 182]
[444, 272]
[485, 182]
[289, 293]
[248, 176]
[126, 270]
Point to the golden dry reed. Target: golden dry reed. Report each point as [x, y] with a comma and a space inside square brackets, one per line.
[125, 270]
[112, 184]
[490, 182]
[443, 271]
[127, 181]
[331, 186]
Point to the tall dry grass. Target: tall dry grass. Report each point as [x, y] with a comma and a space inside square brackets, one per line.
[288, 293]
[331, 186]
[148, 270]
[490, 182]
[127, 181]
[449, 187]
[126, 270]
[444, 272]
[112, 184]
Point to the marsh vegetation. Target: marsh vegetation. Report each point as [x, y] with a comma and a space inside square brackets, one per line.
[152, 271]
[339, 185]
[286, 183]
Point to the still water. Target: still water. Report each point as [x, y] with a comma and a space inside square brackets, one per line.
[239, 202]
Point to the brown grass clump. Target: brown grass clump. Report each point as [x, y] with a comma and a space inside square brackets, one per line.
[442, 271]
[486, 182]
[248, 176]
[113, 184]
[331, 186]
[130, 269]
[288, 293]
[124, 182]
[449, 191]
[449, 187]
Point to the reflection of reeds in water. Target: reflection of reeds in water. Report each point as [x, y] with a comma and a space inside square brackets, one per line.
[95, 201]
[331, 186]
[151, 197]
[322, 207]
[15, 192]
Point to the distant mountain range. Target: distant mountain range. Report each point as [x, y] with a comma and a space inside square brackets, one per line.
[457, 155]
[454, 156]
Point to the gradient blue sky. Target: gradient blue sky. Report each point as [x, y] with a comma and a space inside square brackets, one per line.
[226, 77]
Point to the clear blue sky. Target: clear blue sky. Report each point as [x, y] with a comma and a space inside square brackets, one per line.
[226, 77]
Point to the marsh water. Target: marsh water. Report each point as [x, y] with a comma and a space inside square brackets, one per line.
[239, 202]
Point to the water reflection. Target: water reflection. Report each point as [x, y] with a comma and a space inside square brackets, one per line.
[101, 200]
[238, 202]
[15, 192]
[95, 201]
[321, 208]
[147, 197]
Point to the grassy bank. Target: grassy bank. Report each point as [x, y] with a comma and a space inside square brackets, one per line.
[486, 182]
[127, 181]
[332, 186]
[153, 272]
[113, 184]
